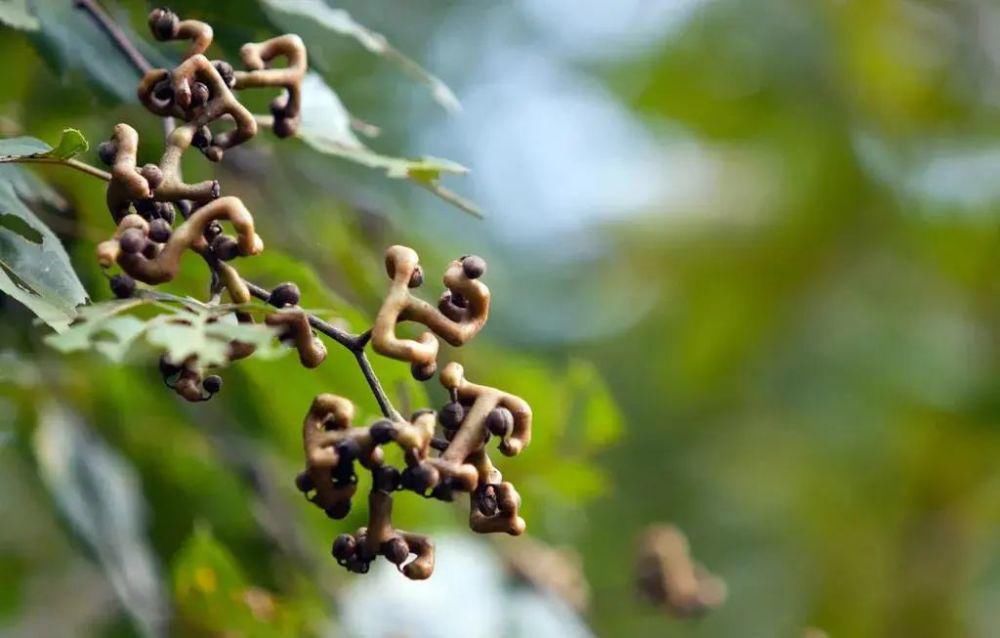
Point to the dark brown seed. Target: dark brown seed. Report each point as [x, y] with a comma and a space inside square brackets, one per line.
[338, 511]
[500, 421]
[344, 547]
[395, 550]
[202, 138]
[423, 372]
[151, 249]
[474, 266]
[417, 278]
[165, 211]
[348, 450]
[212, 384]
[225, 70]
[199, 94]
[304, 483]
[132, 241]
[451, 415]
[225, 247]
[382, 431]
[122, 286]
[213, 230]
[107, 152]
[386, 478]
[284, 127]
[163, 23]
[159, 230]
[286, 294]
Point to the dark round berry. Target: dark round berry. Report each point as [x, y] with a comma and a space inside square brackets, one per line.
[304, 483]
[225, 247]
[486, 500]
[445, 491]
[284, 127]
[163, 23]
[107, 152]
[338, 511]
[357, 565]
[451, 415]
[500, 421]
[225, 70]
[184, 205]
[202, 138]
[152, 174]
[286, 294]
[474, 266]
[151, 249]
[165, 211]
[417, 278]
[348, 450]
[145, 207]
[168, 369]
[132, 241]
[122, 286]
[199, 94]
[163, 91]
[423, 372]
[386, 478]
[212, 383]
[419, 478]
[213, 230]
[382, 431]
[343, 547]
[395, 550]
[459, 301]
[159, 230]
[216, 189]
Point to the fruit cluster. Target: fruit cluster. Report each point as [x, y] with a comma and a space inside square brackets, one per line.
[444, 452]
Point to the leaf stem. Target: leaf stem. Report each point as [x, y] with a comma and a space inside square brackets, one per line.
[83, 167]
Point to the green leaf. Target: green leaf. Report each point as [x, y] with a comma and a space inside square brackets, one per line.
[98, 493]
[72, 142]
[326, 126]
[183, 331]
[597, 415]
[341, 23]
[23, 147]
[36, 273]
[15, 13]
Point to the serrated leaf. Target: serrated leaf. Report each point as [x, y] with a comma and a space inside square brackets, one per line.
[15, 13]
[326, 126]
[37, 274]
[340, 22]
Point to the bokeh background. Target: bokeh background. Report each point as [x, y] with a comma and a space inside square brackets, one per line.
[745, 259]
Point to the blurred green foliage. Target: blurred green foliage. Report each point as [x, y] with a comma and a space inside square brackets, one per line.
[807, 383]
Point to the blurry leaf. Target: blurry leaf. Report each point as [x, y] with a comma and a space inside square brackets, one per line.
[36, 273]
[69, 38]
[341, 22]
[181, 332]
[599, 420]
[213, 596]
[14, 13]
[326, 126]
[99, 494]
[17, 225]
[22, 146]
[72, 142]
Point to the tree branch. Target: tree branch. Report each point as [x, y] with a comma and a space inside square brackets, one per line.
[115, 32]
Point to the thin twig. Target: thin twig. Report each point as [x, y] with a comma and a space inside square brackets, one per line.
[71, 163]
[355, 343]
[115, 32]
